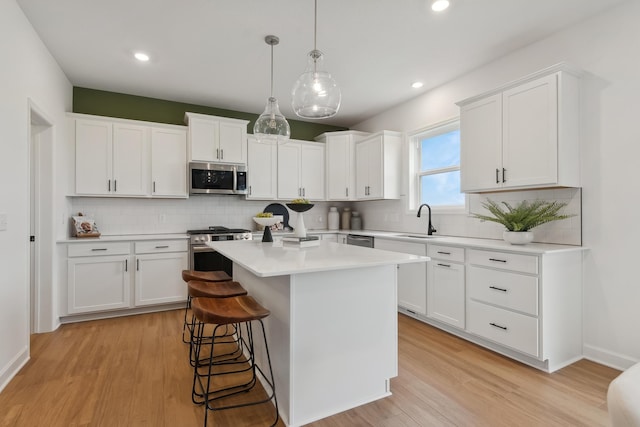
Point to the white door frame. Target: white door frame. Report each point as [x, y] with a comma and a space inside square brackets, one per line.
[40, 131]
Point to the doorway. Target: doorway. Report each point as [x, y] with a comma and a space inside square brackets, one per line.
[40, 141]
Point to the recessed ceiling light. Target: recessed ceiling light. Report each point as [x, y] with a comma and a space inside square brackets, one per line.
[143, 57]
[417, 85]
[439, 5]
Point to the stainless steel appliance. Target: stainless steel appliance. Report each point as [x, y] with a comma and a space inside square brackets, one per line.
[204, 258]
[214, 178]
[359, 240]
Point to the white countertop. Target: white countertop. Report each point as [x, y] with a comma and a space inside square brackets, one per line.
[273, 259]
[125, 238]
[468, 242]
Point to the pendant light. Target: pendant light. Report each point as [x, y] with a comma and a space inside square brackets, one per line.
[315, 94]
[271, 126]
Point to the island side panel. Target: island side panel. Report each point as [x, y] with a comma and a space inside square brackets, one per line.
[273, 293]
[344, 340]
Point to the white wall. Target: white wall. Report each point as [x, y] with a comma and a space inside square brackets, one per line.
[28, 72]
[606, 48]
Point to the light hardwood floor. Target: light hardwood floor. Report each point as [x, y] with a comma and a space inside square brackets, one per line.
[133, 371]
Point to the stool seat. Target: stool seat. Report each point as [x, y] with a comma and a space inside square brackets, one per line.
[206, 276]
[197, 288]
[223, 311]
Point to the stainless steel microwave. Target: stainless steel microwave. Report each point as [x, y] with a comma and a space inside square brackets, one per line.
[214, 178]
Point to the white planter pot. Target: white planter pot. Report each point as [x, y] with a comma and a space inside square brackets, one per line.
[518, 237]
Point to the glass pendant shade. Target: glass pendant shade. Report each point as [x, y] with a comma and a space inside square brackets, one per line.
[315, 94]
[272, 125]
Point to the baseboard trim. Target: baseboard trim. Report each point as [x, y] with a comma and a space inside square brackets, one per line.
[608, 358]
[13, 367]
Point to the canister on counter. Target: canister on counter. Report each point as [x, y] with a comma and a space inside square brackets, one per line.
[333, 218]
[356, 221]
[345, 222]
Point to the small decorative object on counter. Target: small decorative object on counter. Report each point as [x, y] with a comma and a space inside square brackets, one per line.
[334, 218]
[81, 226]
[346, 219]
[300, 206]
[267, 222]
[356, 221]
[519, 220]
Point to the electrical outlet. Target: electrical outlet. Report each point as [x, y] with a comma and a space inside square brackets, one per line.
[3, 221]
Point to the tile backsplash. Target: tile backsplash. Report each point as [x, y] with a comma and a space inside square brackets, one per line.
[122, 216]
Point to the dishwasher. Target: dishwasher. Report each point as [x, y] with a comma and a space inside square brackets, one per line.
[359, 240]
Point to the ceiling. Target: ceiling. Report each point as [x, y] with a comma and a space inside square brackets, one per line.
[212, 52]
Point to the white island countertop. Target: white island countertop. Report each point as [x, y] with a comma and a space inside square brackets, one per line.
[274, 259]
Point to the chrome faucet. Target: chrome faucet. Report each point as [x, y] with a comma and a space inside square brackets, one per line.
[430, 229]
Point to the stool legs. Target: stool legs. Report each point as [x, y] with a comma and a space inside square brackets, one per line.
[204, 391]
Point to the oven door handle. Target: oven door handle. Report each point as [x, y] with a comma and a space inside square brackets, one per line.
[199, 249]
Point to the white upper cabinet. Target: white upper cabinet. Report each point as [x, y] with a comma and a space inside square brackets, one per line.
[126, 158]
[523, 135]
[168, 162]
[341, 163]
[216, 139]
[378, 166]
[262, 168]
[111, 158]
[301, 170]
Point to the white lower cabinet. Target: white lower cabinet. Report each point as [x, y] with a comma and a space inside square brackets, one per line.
[412, 278]
[445, 285]
[110, 275]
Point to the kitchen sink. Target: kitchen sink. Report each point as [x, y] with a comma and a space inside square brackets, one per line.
[415, 236]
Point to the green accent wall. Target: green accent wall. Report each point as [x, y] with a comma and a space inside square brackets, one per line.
[112, 104]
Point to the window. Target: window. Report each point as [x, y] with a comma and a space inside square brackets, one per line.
[437, 167]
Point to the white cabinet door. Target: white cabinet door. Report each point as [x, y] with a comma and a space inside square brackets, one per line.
[262, 166]
[445, 292]
[289, 171]
[481, 144]
[232, 142]
[376, 168]
[530, 133]
[130, 160]
[339, 167]
[168, 163]
[98, 283]
[158, 278]
[94, 158]
[412, 278]
[312, 171]
[362, 169]
[203, 140]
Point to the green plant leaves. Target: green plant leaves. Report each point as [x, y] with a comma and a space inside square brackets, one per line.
[524, 216]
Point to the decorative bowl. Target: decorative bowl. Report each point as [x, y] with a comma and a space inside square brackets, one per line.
[268, 221]
[299, 207]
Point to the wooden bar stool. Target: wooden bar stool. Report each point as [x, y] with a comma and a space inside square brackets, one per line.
[199, 289]
[205, 276]
[242, 311]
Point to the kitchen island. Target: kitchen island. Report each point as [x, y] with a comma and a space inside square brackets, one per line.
[332, 332]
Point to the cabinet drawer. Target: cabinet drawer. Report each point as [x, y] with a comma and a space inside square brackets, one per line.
[446, 252]
[518, 331]
[504, 260]
[98, 248]
[158, 246]
[508, 290]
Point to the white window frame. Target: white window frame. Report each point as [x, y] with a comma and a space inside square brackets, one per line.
[414, 139]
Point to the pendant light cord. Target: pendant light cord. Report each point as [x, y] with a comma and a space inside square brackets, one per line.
[272, 71]
[315, 24]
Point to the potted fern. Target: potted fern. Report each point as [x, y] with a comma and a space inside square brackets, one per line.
[519, 220]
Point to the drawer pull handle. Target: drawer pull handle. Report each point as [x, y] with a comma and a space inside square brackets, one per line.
[137, 265]
[444, 265]
[126, 265]
[495, 325]
[162, 247]
[99, 249]
[444, 253]
[498, 289]
[497, 260]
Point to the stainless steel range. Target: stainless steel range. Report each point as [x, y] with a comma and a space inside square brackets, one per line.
[204, 258]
